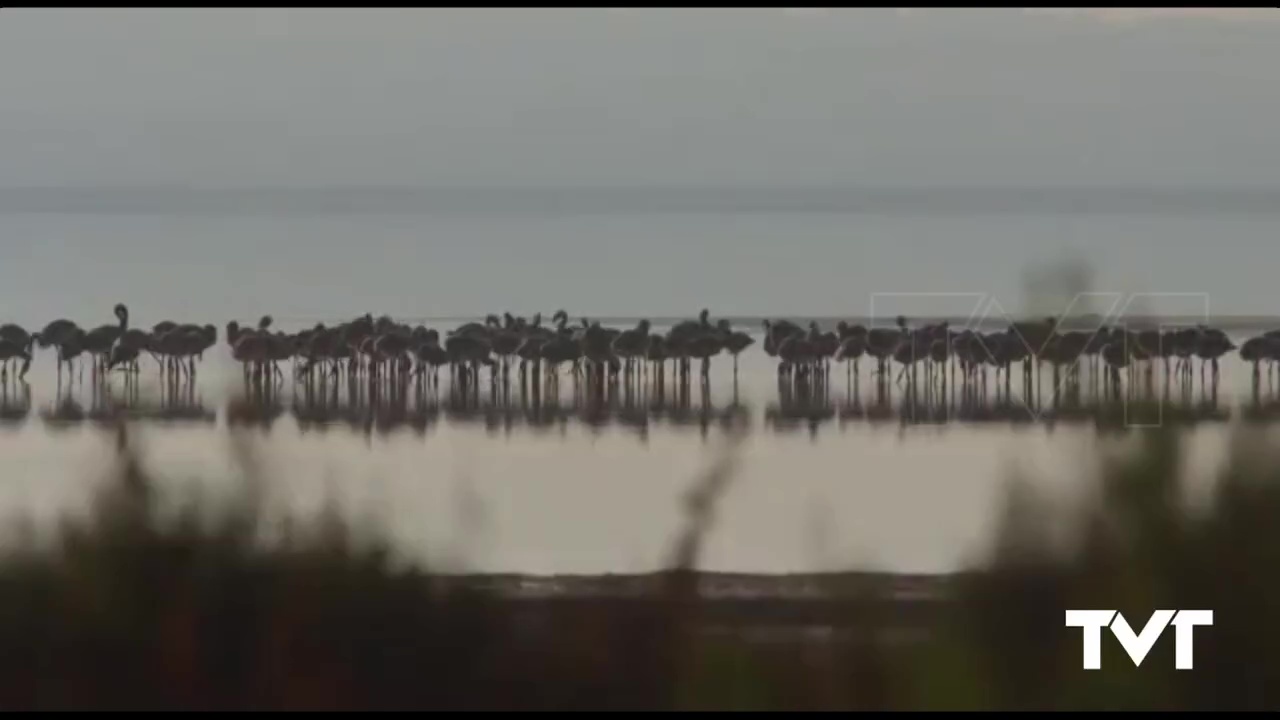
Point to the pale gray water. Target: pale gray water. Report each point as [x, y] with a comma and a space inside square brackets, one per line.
[567, 489]
[926, 256]
[572, 493]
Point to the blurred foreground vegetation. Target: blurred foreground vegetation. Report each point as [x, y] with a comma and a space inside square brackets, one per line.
[136, 608]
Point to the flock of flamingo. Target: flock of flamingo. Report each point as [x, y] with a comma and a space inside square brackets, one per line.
[109, 346]
[383, 350]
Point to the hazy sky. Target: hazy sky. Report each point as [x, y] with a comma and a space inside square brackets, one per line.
[230, 97]
[429, 97]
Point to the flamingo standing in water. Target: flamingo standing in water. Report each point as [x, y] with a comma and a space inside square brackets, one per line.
[10, 350]
[19, 337]
[735, 342]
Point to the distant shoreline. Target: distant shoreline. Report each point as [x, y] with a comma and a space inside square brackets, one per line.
[642, 199]
[754, 322]
[714, 585]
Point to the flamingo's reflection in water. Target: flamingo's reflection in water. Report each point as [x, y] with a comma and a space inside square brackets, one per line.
[383, 409]
[173, 401]
[635, 402]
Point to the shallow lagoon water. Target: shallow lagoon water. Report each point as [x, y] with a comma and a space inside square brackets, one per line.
[575, 490]
[497, 484]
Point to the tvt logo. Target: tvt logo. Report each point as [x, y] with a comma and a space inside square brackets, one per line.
[1183, 621]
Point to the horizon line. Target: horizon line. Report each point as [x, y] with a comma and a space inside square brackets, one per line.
[661, 185]
[959, 319]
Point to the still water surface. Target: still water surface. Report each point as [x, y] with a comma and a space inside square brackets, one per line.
[501, 486]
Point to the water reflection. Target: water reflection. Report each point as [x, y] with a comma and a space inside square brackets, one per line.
[583, 482]
[378, 410]
[792, 415]
[381, 410]
[171, 402]
[15, 405]
[1080, 395]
